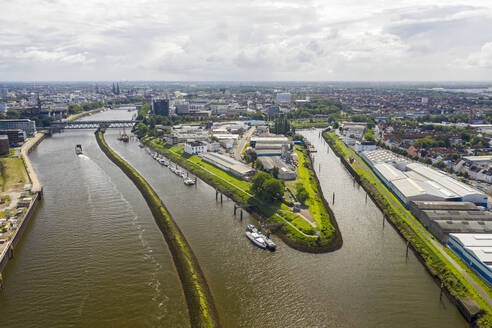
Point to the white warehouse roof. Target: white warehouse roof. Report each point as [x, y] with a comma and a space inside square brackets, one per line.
[454, 186]
[389, 172]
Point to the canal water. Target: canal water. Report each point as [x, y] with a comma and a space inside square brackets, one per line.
[93, 256]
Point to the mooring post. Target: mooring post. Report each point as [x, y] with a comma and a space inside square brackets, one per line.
[366, 197]
[333, 198]
[241, 214]
[406, 256]
[221, 198]
[216, 194]
[235, 208]
[383, 220]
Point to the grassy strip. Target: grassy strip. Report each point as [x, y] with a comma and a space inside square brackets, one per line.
[435, 262]
[231, 187]
[13, 173]
[201, 306]
[315, 204]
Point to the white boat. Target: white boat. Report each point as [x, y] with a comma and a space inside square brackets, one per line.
[256, 239]
[189, 181]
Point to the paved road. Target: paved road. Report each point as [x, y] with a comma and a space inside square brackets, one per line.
[25, 149]
[481, 291]
[242, 142]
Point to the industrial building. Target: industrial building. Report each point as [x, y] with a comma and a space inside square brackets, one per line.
[475, 250]
[443, 218]
[229, 164]
[418, 182]
[26, 125]
[270, 146]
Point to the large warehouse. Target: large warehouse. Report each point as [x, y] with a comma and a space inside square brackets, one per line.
[418, 182]
[476, 252]
[443, 218]
[228, 164]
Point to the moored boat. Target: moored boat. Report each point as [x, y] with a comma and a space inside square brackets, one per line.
[189, 181]
[256, 239]
[78, 149]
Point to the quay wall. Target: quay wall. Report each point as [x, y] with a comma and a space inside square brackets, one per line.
[201, 306]
[37, 188]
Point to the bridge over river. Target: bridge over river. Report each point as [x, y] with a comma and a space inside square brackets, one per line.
[59, 126]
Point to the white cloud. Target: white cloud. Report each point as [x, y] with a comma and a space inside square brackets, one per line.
[482, 59]
[245, 40]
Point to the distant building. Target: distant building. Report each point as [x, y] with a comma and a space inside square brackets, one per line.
[283, 98]
[195, 147]
[182, 108]
[26, 125]
[3, 107]
[160, 107]
[4, 145]
[15, 136]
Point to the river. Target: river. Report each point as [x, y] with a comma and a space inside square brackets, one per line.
[93, 256]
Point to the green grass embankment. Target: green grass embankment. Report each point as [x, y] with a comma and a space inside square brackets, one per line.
[316, 203]
[201, 307]
[455, 283]
[293, 232]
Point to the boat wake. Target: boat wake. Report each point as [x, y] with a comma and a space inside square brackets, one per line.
[84, 157]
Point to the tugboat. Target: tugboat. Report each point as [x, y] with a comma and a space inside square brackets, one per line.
[256, 239]
[78, 149]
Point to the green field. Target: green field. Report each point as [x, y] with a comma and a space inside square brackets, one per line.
[13, 174]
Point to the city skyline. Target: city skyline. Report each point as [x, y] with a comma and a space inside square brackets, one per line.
[247, 41]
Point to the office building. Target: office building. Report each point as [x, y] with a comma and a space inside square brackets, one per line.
[26, 125]
[160, 107]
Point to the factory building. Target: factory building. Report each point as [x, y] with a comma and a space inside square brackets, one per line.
[229, 164]
[465, 192]
[443, 218]
[417, 182]
[476, 251]
[270, 146]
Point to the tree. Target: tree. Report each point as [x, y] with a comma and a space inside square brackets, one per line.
[302, 195]
[13, 114]
[273, 190]
[267, 187]
[258, 181]
[141, 130]
[258, 164]
[275, 172]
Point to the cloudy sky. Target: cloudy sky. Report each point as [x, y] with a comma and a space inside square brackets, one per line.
[304, 40]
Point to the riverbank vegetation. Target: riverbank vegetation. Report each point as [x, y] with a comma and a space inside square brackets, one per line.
[291, 227]
[13, 174]
[454, 282]
[200, 302]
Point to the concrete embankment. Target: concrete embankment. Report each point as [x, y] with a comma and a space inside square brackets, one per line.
[25, 150]
[201, 306]
[37, 188]
[454, 288]
[79, 115]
